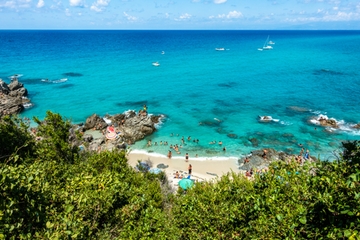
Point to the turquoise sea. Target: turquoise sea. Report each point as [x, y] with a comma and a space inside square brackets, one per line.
[206, 94]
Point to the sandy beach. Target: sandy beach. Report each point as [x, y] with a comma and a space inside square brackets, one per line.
[203, 169]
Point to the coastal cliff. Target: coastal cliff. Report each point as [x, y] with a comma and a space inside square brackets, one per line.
[128, 128]
[13, 97]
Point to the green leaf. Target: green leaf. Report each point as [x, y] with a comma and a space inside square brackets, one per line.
[279, 217]
[347, 233]
[69, 208]
[49, 225]
[303, 220]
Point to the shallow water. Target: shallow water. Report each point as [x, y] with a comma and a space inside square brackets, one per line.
[206, 94]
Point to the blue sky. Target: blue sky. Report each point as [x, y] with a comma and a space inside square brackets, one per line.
[180, 14]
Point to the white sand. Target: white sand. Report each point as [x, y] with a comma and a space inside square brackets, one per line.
[203, 169]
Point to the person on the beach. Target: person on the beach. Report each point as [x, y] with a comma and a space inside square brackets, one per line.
[190, 169]
[307, 154]
[177, 174]
[186, 157]
[169, 154]
[264, 155]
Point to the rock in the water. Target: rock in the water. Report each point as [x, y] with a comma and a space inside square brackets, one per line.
[12, 97]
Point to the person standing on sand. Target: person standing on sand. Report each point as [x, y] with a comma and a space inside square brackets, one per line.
[186, 157]
[169, 154]
[190, 169]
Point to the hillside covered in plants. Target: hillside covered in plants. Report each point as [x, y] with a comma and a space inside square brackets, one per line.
[50, 189]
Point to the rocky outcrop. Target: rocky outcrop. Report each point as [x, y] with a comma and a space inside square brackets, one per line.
[328, 123]
[261, 159]
[129, 126]
[95, 122]
[12, 97]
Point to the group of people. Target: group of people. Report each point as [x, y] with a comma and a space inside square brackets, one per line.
[177, 174]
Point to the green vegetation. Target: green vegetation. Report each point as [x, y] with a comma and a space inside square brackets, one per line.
[50, 191]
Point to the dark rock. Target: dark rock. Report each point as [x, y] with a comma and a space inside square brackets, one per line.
[95, 121]
[232, 135]
[254, 142]
[4, 87]
[12, 97]
[14, 85]
[88, 137]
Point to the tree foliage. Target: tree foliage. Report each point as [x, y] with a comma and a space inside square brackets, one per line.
[55, 193]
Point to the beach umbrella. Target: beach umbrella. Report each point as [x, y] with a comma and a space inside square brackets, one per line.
[155, 170]
[111, 135]
[186, 183]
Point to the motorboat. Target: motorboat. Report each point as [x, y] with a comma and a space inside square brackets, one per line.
[220, 49]
[54, 81]
[28, 105]
[265, 118]
[156, 64]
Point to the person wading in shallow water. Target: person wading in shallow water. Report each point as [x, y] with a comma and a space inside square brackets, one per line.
[186, 157]
[169, 154]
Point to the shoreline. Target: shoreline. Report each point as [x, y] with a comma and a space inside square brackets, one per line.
[203, 169]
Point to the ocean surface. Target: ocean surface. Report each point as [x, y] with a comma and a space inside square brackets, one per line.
[206, 94]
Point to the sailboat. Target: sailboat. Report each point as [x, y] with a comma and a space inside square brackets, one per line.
[266, 45]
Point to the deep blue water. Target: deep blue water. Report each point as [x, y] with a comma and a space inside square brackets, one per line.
[317, 72]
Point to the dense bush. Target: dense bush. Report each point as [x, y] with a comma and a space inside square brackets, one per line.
[55, 193]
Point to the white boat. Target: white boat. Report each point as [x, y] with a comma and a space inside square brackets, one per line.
[156, 64]
[55, 81]
[220, 49]
[15, 76]
[267, 119]
[28, 105]
[266, 45]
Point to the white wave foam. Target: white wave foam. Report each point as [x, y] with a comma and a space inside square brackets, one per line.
[342, 125]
